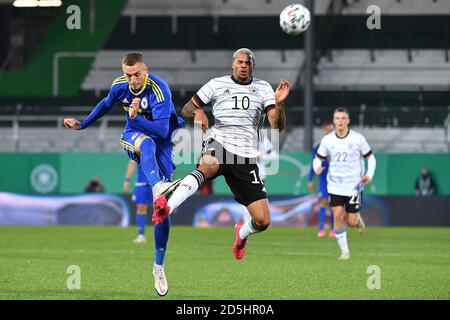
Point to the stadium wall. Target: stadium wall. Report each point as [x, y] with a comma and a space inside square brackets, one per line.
[302, 211]
[68, 173]
[214, 211]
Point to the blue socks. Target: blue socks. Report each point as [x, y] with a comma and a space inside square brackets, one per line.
[141, 221]
[151, 170]
[322, 217]
[161, 238]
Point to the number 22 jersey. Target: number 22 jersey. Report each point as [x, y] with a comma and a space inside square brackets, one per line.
[346, 156]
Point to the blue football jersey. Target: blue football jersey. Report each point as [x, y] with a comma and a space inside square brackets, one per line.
[156, 102]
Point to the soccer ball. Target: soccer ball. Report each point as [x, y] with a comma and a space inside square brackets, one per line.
[295, 19]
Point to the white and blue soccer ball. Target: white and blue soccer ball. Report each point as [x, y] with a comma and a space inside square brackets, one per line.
[295, 19]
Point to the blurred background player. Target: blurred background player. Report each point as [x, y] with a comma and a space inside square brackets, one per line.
[346, 150]
[240, 103]
[323, 193]
[142, 197]
[151, 120]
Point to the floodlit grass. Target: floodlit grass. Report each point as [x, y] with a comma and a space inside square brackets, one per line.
[281, 263]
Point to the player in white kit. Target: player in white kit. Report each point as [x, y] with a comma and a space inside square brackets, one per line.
[240, 103]
[346, 150]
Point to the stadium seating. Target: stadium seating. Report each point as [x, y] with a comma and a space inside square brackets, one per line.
[351, 69]
[269, 7]
[391, 79]
[188, 70]
[391, 69]
[211, 7]
[398, 7]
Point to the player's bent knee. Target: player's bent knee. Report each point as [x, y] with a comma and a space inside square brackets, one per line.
[209, 160]
[208, 166]
[143, 140]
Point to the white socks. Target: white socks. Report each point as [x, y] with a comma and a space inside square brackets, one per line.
[187, 188]
[341, 237]
[247, 229]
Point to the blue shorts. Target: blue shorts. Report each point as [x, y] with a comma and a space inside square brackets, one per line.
[163, 152]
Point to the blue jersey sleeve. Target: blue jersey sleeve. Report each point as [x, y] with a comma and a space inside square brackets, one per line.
[159, 127]
[100, 109]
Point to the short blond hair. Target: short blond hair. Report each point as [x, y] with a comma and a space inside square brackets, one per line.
[248, 52]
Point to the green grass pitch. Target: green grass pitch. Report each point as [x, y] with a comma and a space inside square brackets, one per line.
[281, 263]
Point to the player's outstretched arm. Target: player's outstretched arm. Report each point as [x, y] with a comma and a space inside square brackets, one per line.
[72, 123]
[99, 111]
[277, 117]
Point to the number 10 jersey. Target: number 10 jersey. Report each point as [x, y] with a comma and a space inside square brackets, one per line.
[239, 111]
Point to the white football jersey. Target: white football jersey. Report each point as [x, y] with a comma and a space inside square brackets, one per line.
[239, 111]
[346, 157]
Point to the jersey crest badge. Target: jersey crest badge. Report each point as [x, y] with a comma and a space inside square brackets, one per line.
[253, 90]
[144, 103]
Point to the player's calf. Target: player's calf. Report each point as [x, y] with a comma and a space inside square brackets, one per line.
[352, 219]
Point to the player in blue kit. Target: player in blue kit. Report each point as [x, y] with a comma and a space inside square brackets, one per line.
[142, 197]
[151, 120]
[323, 192]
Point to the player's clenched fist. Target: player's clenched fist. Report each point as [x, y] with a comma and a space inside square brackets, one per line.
[72, 123]
[201, 119]
[134, 107]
